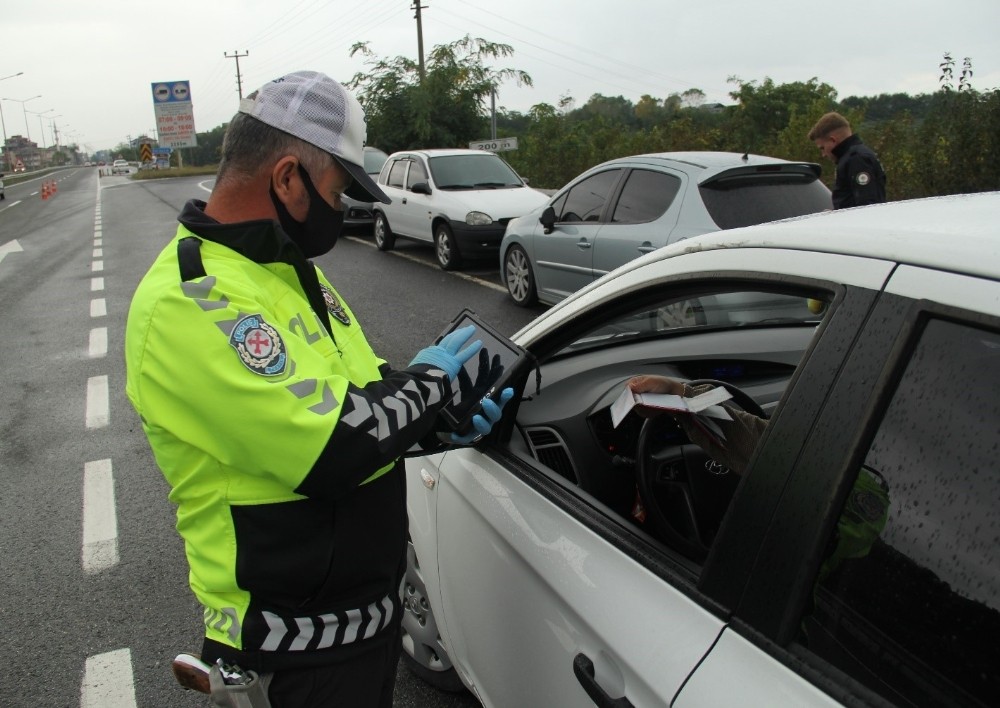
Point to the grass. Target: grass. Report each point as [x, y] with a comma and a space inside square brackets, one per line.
[175, 172]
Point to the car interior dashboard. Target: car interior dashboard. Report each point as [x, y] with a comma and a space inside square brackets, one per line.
[566, 423]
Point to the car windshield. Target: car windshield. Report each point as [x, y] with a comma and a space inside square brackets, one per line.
[374, 159]
[748, 202]
[473, 171]
[717, 311]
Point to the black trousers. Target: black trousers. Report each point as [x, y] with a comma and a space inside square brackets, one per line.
[364, 681]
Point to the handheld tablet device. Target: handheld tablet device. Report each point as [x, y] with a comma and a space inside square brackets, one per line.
[485, 375]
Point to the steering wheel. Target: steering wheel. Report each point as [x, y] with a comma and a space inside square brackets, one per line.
[684, 491]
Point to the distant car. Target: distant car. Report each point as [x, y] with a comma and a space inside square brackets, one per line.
[621, 209]
[360, 213]
[19, 167]
[120, 167]
[572, 558]
[459, 200]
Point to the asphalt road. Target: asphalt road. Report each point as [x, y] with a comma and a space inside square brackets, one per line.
[94, 600]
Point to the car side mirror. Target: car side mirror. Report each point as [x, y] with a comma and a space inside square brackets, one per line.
[420, 188]
[548, 219]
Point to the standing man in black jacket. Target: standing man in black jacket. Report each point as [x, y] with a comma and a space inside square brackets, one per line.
[860, 178]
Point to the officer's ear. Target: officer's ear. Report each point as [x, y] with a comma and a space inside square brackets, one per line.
[287, 184]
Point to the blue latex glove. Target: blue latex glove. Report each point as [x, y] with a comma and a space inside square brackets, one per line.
[482, 423]
[446, 356]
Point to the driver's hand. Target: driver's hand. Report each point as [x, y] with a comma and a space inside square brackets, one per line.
[654, 384]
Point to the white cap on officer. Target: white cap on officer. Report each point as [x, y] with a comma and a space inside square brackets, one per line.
[315, 108]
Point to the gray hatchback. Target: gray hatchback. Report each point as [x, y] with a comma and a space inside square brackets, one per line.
[624, 208]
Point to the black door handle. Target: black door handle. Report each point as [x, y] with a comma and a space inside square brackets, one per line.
[583, 667]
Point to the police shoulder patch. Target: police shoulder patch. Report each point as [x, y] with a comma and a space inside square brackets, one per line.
[333, 305]
[862, 178]
[259, 346]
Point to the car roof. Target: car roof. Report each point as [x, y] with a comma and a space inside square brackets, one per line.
[443, 152]
[696, 160]
[959, 233]
[705, 165]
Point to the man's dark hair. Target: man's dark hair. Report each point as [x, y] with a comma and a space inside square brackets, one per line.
[250, 145]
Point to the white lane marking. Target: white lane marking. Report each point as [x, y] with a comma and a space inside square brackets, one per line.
[98, 252]
[97, 284]
[13, 204]
[98, 413]
[97, 266]
[98, 342]
[98, 241]
[10, 247]
[463, 276]
[98, 307]
[107, 681]
[207, 189]
[100, 524]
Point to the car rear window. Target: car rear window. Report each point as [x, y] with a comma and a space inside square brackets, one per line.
[746, 202]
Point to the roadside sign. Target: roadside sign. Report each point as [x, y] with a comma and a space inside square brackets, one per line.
[174, 114]
[498, 145]
[162, 156]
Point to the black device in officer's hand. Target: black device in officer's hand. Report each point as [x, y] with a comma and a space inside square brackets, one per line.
[483, 376]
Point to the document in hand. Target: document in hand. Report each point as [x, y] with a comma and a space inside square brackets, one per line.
[706, 404]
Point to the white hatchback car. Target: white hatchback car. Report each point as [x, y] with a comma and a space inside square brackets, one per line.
[565, 560]
[459, 200]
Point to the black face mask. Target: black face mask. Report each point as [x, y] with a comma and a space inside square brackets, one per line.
[319, 232]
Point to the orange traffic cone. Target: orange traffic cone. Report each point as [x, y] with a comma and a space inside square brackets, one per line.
[45, 190]
[54, 188]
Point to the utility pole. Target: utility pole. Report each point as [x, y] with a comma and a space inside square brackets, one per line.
[239, 81]
[420, 36]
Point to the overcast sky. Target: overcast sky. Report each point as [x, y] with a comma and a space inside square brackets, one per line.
[93, 62]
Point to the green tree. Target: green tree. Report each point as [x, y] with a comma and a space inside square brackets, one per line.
[448, 108]
[765, 110]
[208, 150]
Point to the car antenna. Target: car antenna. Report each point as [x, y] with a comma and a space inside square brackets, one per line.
[746, 155]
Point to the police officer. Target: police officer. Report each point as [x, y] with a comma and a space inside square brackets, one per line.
[860, 178]
[278, 428]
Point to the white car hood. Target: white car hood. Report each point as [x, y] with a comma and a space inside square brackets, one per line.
[498, 203]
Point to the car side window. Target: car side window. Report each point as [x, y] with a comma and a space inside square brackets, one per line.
[652, 476]
[645, 197]
[397, 173]
[417, 174]
[908, 598]
[585, 202]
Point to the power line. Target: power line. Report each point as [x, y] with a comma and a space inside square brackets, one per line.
[563, 42]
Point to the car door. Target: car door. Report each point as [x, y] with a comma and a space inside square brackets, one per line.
[559, 597]
[564, 256]
[393, 183]
[414, 208]
[643, 215]
[539, 580]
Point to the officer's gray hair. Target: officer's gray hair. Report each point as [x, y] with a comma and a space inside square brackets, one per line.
[251, 146]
